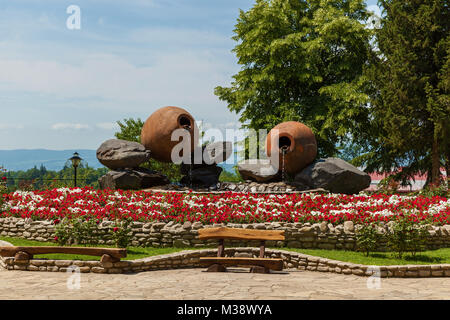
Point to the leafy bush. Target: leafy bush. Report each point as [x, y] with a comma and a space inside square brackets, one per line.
[76, 231]
[432, 190]
[226, 176]
[406, 236]
[3, 186]
[81, 231]
[367, 238]
[121, 233]
[388, 185]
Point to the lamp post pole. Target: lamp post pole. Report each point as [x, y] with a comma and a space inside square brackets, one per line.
[75, 176]
[75, 163]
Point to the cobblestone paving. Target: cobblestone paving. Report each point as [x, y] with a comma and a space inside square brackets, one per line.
[197, 284]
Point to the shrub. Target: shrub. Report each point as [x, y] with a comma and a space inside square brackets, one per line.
[3, 187]
[432, 190]
[406, 236]
[367, 237]
[388, 185]
[76, 231]
[121, 233]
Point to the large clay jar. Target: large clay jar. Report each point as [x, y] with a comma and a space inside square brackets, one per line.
[297, 146]
[157, 131]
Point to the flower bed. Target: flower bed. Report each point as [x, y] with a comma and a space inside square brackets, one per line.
[56, 204]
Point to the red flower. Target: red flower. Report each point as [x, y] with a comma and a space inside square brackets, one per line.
[116, 229]
[4, 178]
[56, 238]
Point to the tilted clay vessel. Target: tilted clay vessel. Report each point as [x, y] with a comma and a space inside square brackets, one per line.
[157, 131]
[296, 141]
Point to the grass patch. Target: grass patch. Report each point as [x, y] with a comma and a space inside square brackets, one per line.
[439, 256]
[133, 253]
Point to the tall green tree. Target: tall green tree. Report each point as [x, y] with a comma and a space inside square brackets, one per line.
[302, 60]
[410, 110]
[130, 130]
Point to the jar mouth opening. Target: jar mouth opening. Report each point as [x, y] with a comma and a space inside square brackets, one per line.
[185, 122]
[285, 144]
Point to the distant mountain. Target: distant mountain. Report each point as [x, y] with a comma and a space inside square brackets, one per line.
[24, 159]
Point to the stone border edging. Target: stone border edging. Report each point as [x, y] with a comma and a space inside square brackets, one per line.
[323, 235]
[191, 259]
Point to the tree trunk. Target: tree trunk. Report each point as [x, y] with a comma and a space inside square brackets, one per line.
[435, 163]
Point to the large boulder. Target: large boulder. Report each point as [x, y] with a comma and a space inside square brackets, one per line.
[119, 154]
[334, 175]
[205, 176]
[132, 179]
[217, 152]
[258, 170]
[203, 171]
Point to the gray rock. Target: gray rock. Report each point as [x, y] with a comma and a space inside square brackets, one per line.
[132, 179]
[205, 176]
[258, 170]
[217, 152]
[335, 175]
[209, 155]
[118, 154]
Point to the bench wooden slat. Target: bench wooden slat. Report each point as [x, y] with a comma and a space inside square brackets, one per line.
[273, 264]
[116, 253]
[240, 234]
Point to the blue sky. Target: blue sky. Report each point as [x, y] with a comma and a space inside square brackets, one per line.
[65, 89]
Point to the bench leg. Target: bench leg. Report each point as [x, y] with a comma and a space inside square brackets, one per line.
[216, 268]
[108, 258]
[258, 269]
[22, 256]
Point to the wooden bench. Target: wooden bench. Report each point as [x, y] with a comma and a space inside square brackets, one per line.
[258, 265]
[26, 253]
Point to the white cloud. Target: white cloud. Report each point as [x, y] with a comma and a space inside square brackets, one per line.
[186, 79]
[72, 126]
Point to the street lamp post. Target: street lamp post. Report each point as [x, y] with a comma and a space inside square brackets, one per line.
[75, 163]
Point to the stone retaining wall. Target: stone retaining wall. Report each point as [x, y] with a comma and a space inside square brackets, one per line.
[190, 259]
[247, 186]
[161, 234]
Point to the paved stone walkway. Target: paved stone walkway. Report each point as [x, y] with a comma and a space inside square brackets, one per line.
[197, 284]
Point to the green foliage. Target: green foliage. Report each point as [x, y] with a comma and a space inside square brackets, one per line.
[367, 238]
[77, 231]
[130, 130]
[433, 191]
[81, 231]
[406, 236]
[388, 185]
[226, 176]
[3, 187]
[410, 105]
[39, 179]
[121, 233]
[302, 61]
